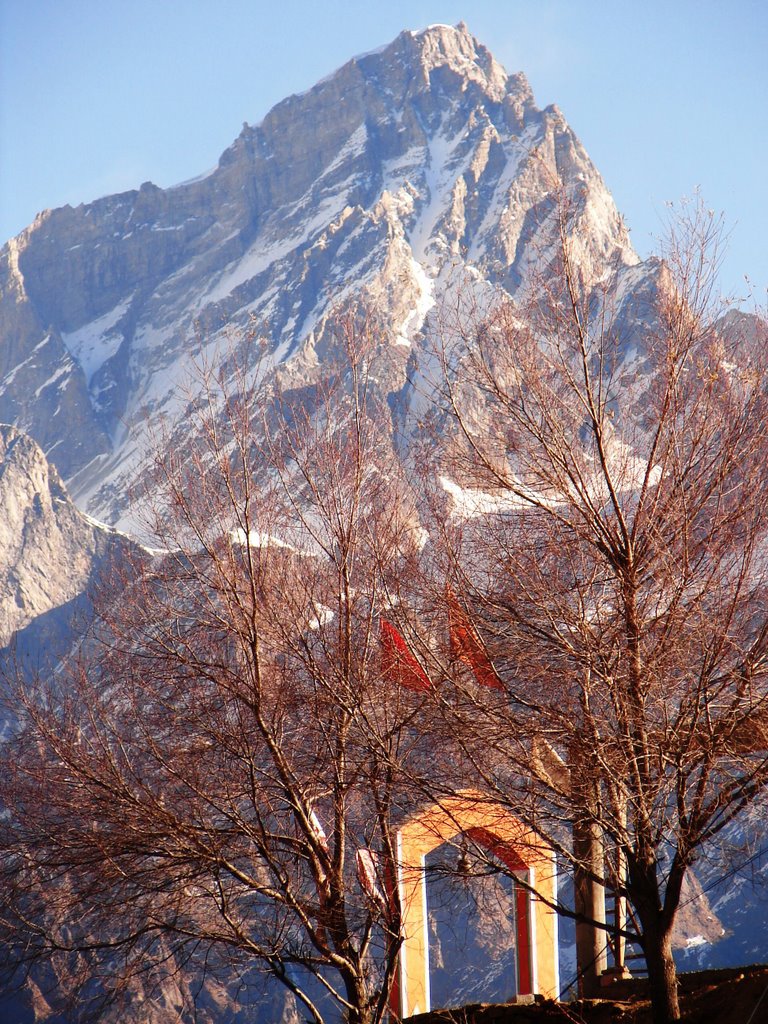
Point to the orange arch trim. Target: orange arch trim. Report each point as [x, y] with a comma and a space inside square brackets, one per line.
[496, 830]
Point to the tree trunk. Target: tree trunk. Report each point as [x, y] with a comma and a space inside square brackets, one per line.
[662, 976]
[360, 1011]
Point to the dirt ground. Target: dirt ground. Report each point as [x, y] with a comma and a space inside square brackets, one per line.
[732, 996]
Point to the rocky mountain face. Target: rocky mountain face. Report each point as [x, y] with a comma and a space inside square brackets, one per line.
[49, 550]
[397, 176]
[412, 176]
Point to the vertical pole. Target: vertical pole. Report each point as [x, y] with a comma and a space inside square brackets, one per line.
[619, 970]
[619, 917]
[591, 959]
[589, 865]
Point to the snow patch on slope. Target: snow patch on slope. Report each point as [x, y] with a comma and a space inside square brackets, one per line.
[438, 182]
[96, 342]
[414, 321]
[261, 255]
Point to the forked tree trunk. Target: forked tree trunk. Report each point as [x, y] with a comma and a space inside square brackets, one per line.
[360, 1011]
[662, 976]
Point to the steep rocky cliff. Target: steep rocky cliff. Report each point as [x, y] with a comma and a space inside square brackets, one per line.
[49, 550]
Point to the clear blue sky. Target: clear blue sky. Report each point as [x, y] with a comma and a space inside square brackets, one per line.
[97, 96]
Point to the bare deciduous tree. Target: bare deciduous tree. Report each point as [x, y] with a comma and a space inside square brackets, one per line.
[607, 545]
[214, 774]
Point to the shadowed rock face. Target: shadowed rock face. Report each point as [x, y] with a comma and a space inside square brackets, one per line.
[393, 177]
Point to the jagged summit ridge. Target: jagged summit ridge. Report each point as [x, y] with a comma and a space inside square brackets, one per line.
[403, 68]
[385, 177]
[457, 49]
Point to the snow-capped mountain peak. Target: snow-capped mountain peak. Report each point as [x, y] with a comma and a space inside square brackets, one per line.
[390, 174]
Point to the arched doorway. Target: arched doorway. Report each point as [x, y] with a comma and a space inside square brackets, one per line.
[473, 917]
[484, 825]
